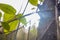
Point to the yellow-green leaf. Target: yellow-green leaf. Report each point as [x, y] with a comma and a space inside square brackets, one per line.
[13, 25]
[34, 2]
[7, 8]
[8, 17]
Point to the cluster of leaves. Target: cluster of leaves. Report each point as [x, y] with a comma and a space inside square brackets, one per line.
[10, 19]
[9, 15]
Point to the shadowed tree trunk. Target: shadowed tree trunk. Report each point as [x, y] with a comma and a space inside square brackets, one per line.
[47, 29]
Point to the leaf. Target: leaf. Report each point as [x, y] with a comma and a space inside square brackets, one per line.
[0, 14]
[7, 8]
[41, 0]
[32, 8]
[7, 17]
[34, 2]
[6, 26]
[13, 25]
[22, 20]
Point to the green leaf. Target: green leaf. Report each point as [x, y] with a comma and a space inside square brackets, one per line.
[6, 26]
[22, 20]
[13, 25]
[8, 17]
[0, 14]
[34, 2]
[9, 14]
[7, 8]
[41, 0]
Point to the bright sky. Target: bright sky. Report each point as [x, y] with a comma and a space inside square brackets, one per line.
[17, 5]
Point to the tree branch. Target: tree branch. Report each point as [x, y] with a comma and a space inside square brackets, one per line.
[20, 17]
[15, 30]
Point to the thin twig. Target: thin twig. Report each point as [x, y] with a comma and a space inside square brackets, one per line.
[20, 17]
[25, 7]
[15, 30]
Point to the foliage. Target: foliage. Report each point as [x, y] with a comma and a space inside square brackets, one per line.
[7, 8]
[22, 20]
[9, 14]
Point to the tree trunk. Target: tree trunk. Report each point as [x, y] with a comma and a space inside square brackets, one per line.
[47, 29]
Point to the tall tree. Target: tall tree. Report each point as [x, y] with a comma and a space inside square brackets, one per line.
[47, 25]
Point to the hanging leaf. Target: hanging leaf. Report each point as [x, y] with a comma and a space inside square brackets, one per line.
[7, 8]
[0, 14]
[6, 26]
[34, 2]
